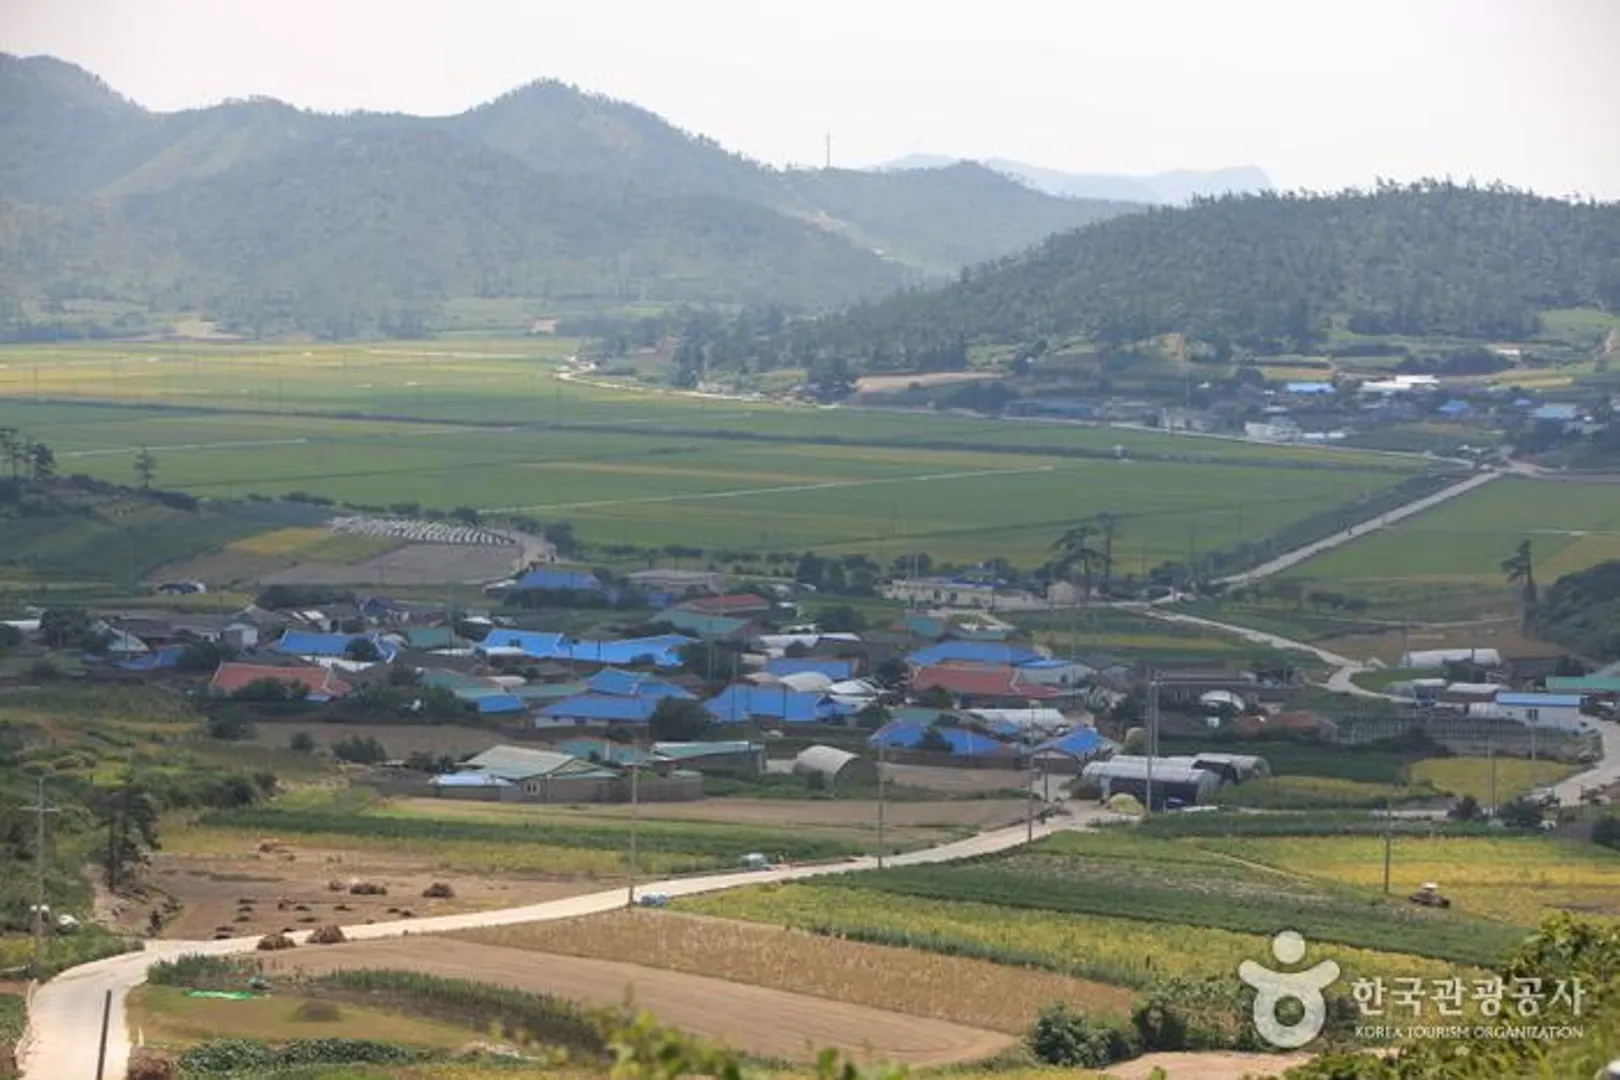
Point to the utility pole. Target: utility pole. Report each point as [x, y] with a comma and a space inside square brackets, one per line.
[635, 811]
[882, 793]
[1490, 759]
[40, 809]
[1389, 839]
[1029, 800]
[1153, 736]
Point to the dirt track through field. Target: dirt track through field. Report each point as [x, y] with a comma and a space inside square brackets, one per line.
[760, 1021]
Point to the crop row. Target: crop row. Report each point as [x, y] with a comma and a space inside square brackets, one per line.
[1110, 949]
[652, 837]
[1345, 920]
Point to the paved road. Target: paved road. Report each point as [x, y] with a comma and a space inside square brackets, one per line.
[66, 1014]
[1604, 773]
[1309, 551]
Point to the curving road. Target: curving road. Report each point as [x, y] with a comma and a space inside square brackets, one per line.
[65, 1018]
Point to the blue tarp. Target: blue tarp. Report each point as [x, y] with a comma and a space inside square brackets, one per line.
[1081, 742]
[166, 657]
[836, 670]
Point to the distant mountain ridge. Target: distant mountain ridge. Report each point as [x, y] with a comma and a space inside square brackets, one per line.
[282, 218]
[1168, 188]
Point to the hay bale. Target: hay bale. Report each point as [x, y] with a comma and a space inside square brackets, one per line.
[148, 1064]
[368, 888]
[336, 886]
[439, 890]
[275, 942]
[330, 934]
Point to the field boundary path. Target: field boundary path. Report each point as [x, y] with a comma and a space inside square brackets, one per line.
[66, 1013]
[1359, 530]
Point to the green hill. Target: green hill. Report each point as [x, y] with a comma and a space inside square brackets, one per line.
[1272, 272]
[272, 217]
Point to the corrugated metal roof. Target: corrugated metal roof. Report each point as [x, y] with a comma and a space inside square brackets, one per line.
[1588, 684]
[835, 670]
[1545, 701]
[739, 703]
[828, 761]
[693, 751]
[635, 684]
[602, 708]
[973, 652]
[556, 580]
[522, 763]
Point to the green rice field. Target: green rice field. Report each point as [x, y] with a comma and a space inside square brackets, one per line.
[492, 426]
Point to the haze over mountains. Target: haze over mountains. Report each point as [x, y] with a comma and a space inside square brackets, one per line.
[1167, 188]
[260, 212]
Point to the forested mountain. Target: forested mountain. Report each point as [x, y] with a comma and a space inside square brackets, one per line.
[1269, 272]
[1168, 188]
[261, 212]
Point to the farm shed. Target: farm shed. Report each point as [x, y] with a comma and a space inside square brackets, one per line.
[706, 626]
[553, 579]
[971, 745]
[1558, 711]
[975, 685]
[1235, 768]
[721, 758]
[1068, 753]
[806, 682]
[1129, 776]
[319, 683]
[584, 710]
[1436, 659]
[833, 765]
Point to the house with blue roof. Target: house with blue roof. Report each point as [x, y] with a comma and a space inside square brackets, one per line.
[587, 710]
[1559, 711]
[707, 626]
[836, 670]
[1308, 389]
[973, 652]
[1067, 753]
[163, 658]
[741, 703]
[1455, 409]
[635, 684]
[1556, 413]
[660, 651]
[964, 743]
[333, 646]
[555, 579]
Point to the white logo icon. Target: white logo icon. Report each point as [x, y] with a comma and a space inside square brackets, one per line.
[1272, 988]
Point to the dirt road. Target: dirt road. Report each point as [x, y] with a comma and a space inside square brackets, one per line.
[756, 1019]
[68, 1008]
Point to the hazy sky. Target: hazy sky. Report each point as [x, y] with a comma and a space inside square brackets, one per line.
[1321, 93]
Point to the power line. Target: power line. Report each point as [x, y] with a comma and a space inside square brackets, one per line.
[39, 810]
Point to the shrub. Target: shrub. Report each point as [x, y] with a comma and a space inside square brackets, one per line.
[302, 742]
[439, 890]
[317, 1012]
[1606, 832]
[148, 1064]
[368, 888]
[1064, 1037]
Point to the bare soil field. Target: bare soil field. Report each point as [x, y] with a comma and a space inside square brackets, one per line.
[222, 568]
[949, 781]
[754, 1019]
[1498, 632]
[1206, 1065]
[275, 892]
[961, 990]
[400, 740]
[413, 564]
[881, 384]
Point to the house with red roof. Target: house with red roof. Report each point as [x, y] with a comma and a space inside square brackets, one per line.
[976, 685]
[320, 684]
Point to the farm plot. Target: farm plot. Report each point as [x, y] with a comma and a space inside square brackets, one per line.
[1521, 879]
[951, 988]
[1474, 776]
[1457, 548]
[1168, 883]
[758, 1020]
[1109, 949]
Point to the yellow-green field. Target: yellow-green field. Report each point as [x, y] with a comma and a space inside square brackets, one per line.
[1522, 879]
[313, 544]
[1473, 776]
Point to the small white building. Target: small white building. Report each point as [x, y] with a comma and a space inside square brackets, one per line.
[1559, 712]
[1436, 659]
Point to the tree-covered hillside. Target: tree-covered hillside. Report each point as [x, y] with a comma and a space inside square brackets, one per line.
[1272, 271]
[259, 212]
